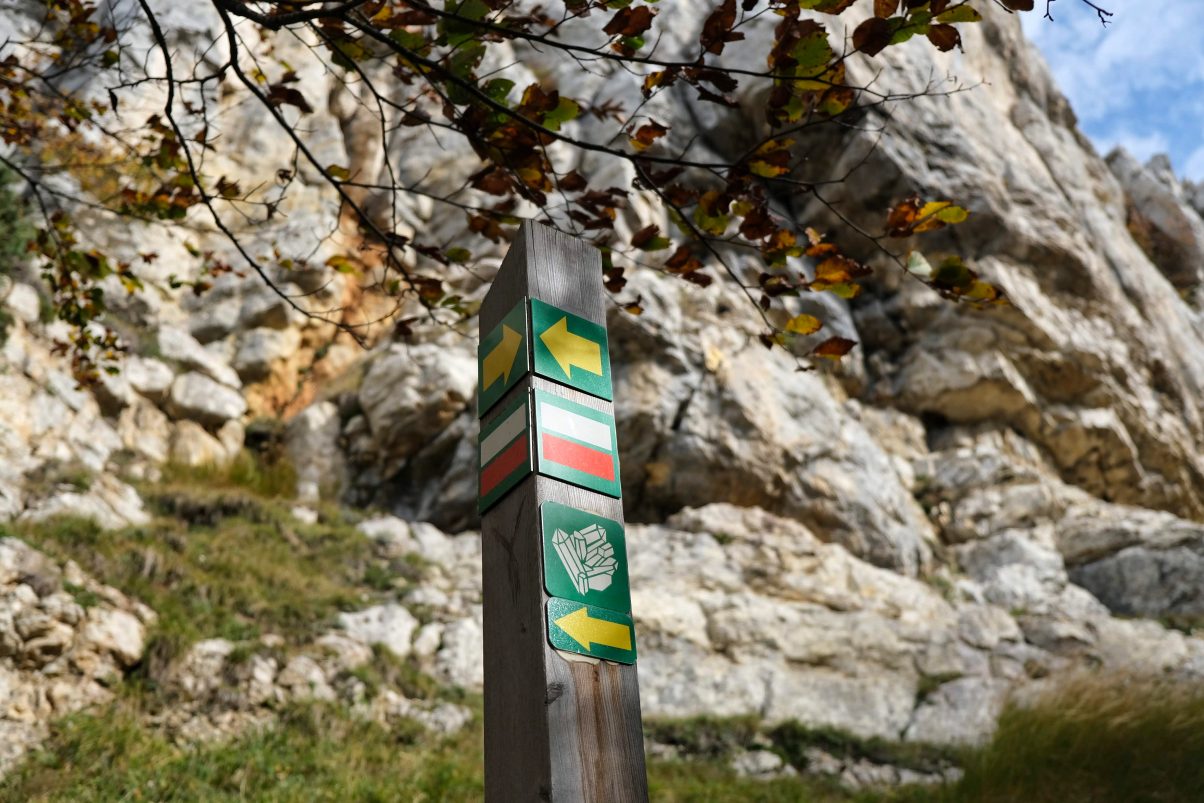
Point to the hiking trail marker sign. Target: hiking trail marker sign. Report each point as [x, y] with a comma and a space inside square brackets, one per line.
[562, 705]
[502, 358]
[571, 350]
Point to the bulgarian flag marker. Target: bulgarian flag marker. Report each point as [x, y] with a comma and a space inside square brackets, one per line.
[505, 454]
[576, 443]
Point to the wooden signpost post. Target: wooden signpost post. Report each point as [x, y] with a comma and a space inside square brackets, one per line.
[562, 703]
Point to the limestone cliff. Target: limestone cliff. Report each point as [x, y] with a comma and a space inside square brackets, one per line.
[962, 509]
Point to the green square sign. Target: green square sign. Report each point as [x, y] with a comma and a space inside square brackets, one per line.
[502, 358]
[504, 453]
[576, 443]
[584, 557]
[571, 350]
[587, 630]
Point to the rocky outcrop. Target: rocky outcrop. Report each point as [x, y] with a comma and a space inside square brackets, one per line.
[1161, 218]
[220, 689]
[741, 612]
[65, 641]
[965, 508]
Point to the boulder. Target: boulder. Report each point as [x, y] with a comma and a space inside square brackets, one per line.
[197, 397]
[259, 348]
[389, 625]
[176, 345]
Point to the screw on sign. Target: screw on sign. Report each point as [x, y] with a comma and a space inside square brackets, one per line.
[562, 710]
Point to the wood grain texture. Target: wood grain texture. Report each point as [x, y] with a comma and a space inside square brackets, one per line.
[555, 729]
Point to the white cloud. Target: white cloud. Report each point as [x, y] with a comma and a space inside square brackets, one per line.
[1139, 82]
[1193, 168]
[1142, 146]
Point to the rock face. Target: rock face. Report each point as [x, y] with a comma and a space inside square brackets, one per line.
[1161, 217]
[58, 654]
[961, 510]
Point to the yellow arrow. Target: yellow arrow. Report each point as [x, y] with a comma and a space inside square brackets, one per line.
[586, 631]
[569, 349]
[500, 360]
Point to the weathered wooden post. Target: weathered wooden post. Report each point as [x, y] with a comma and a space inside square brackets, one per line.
[562, 704]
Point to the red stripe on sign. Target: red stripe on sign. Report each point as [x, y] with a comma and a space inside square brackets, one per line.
[582, 458]
[511, 458]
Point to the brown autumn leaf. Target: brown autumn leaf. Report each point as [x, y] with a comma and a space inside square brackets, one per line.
[717, 30]
[645, 235]
[682, 261]
[944, 36]
[885, 8]
[630, 21]
[492, 180]
[1019, 5]
[647, 134]
[872, 36]
[902, 217]
[279, 94]
[573, 181]
[833, 348]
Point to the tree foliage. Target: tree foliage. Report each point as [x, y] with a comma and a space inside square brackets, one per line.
[108, 109]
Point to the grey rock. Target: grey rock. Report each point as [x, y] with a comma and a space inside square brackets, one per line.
[260, 348]
[959, 712]
[178, 346]
[1160, 215]
[199, 398]
[412, 392]
[389, 625]
[268, 309]
[214, 320]
[312, 443]
[148, 376]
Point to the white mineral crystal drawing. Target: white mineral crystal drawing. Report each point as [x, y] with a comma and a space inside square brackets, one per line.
[587, 556]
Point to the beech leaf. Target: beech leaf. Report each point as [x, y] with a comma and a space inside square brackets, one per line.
[804, 324]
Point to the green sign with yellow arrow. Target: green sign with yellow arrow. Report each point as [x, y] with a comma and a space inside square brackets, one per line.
[502, 358]
[570, 350]
[589, 630]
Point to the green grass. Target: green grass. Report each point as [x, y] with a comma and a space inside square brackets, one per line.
[223, 557]
[315, 753]
[243, 568]
[1098, 739]
[320, 753]
[274, 478]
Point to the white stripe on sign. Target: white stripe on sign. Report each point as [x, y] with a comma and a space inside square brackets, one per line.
[564, 422]
[507, 431]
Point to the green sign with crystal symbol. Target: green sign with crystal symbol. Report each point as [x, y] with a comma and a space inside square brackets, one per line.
[571, 350]
[502, 358]
[584, 557]
[576, 443]
[504, 451]
[587, 630]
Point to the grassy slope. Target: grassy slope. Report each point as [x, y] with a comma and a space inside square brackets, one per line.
[229, 561]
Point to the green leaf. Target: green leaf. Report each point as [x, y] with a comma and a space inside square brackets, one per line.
[961, 13]
[952, 214]
[341, 263]
[568, 109]
[498, 89]
[458, 255]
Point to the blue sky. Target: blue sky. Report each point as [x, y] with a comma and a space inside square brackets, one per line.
[1137, 83]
